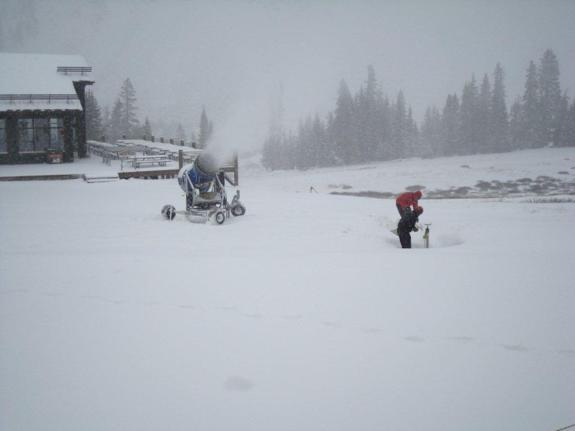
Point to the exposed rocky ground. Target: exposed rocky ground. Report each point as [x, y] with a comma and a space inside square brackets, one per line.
[541, 186]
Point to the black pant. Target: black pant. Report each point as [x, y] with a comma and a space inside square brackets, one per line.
[399, 209]
[404, 239]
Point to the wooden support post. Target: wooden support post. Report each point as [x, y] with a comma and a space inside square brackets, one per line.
[180, 158]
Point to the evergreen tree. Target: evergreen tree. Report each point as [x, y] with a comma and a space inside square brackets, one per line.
[499, 118]
[180, 133]
[206, 130]
[550, 95]
[516, 125]
[320, 138]
[561, 136]
[270, 152]
[451, 127]
[532, 120]
[384, 149]
[569, 130]
[305, 155]
[369, 103]
[147, 129]
[94, 125]
[430, 136]
[469, 124]
[129, 123]
[106, 122]
[411, 136]
[483, 119]
[116, 126]
[399, 128]
[344, 126]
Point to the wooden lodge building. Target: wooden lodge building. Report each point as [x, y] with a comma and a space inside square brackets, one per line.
[42, 103]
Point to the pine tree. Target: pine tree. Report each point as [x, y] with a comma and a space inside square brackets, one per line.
[569, 132]
[411, 136]
[94, 126]
[319, 133]
[430, 136]
[499, 117]
[369, 103]
[129, 123]
[399, 128]
[532, 119]
[469, 123]
[270, 152]
[451, 127]
[180, 133]
[345, 138]
[115, 128]
[516, 126]
[305, 153]
[561, 136]
[384, 148]
[483, 119]
[550, 95]
[106, 122]
[147, 129]
[206, 129]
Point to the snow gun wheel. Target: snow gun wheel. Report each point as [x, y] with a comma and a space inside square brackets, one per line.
[238, 210]
[220, 217]
[168, 212]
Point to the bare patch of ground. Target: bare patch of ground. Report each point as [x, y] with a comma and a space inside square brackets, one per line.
[542, 185]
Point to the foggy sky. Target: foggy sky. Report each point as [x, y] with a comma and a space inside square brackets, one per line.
[238, 57]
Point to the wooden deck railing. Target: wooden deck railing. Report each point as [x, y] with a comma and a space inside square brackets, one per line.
[11, 98]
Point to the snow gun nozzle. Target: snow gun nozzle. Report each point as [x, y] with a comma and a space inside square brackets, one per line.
[207, 164]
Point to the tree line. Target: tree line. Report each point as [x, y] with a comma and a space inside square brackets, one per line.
[121, 122]
[368, 126]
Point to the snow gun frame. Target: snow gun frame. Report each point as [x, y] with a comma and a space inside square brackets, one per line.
[208, 201]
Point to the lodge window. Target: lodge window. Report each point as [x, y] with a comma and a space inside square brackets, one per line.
[56, 134]
[39, 134]
[25, 134]
[3, 145]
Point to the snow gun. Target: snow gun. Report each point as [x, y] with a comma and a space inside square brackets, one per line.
[203, 182]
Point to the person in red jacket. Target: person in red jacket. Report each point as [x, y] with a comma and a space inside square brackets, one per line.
[407, 200]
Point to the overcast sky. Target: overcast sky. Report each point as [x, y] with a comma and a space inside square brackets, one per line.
[237, 57]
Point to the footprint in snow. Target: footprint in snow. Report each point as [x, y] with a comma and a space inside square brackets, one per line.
[371, 330]
[227, 308]
[329, 324]
[462, 339]
[52, 294]
[515, 347]
[238, 384]
[292, 316]
[252, 315]
[414, 339]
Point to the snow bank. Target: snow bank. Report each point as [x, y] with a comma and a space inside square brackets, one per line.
[302, 315]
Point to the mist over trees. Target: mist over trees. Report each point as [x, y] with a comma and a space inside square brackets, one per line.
[368, 125]
[122, 121]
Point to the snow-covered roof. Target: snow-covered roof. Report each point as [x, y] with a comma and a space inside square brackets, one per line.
[28, 80]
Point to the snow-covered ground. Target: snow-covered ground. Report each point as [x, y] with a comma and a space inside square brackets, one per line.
[302, 315]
